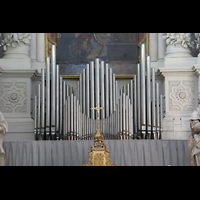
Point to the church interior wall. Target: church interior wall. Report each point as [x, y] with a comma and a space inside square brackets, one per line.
[21, 121]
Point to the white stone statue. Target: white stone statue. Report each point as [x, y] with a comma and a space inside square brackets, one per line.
[194, 138]
[3, 130]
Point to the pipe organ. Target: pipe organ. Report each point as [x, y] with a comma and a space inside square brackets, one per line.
[132, 112]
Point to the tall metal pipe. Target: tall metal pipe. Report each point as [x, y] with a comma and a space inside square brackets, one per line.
[77, 121]
[107, 91]
[143, 90]
[138, 102]
[35, 118]
[153, 99]
[97, 80]
[65, 121]
[39, 115]
[124, 116]
[61, 109]
[135, 107]
[64, 109]
[83, 104]
[102, 91]
[75, 117]
[148, 103]
[68, 117]
[57, 102]
[128, 90]
[72, 116]
[81, 92]
[157, 111]
[161, 116]
[87, 91]
[48, 98]
[111, 91]
[42, 103]
[114, 93]
[120, 117]
[53, 90]
[130, 121]
[92, 88]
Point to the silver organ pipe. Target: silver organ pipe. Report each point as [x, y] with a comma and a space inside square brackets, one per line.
[143, 92]
[134, 111]
[39, 114]
[43, 104]
[57, 102]
[48, 98]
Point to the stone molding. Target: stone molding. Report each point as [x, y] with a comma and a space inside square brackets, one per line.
[164, 72]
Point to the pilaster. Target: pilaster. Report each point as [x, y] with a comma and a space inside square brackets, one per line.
[15, 103]
[180, 87]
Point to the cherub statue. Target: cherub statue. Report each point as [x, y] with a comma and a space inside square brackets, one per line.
[194, 138]
[3, 130]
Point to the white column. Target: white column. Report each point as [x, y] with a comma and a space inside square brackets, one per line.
[161, 47]
[40, 47]
[33, 46]
[153, 46]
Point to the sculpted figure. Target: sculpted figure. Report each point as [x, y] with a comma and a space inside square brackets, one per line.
[194, 138]
[3, 130]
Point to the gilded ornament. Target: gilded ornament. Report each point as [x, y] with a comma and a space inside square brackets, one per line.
[98, 156]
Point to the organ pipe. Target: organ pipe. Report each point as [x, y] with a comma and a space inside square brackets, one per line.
[131, 112]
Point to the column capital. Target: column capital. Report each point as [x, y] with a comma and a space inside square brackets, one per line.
[178, 44]
[16, 45]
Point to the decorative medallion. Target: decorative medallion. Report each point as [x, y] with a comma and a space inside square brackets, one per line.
[13, 97]
[182, 95]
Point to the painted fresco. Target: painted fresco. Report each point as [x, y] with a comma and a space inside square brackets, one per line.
[75, 50]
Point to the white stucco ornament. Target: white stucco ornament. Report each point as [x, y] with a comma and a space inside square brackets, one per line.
[16, 45]
[178, 39]
[178, 44]
[11, 40]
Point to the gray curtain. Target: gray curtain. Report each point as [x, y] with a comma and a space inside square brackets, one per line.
[75, 153]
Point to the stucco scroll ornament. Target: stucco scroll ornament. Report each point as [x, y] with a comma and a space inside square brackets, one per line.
[3, 130]
[178, 39]
[16, 45]
[197, 43]
[178, 44]
[13, 40]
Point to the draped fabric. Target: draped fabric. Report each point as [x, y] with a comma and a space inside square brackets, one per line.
[75, 153]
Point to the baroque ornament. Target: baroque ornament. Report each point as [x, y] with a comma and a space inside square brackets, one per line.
[178, 45]
[182, 95]
[98, 156]
[13, 97]
[15, 39]
[178, 39]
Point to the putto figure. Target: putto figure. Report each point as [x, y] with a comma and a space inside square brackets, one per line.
[3, 130]
[194, 138]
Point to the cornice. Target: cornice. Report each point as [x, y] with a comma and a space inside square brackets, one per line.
[186, 71]
[22, 73]
[196, 69]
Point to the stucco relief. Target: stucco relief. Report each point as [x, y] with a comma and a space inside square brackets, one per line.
[182, 95]
[13, 97]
